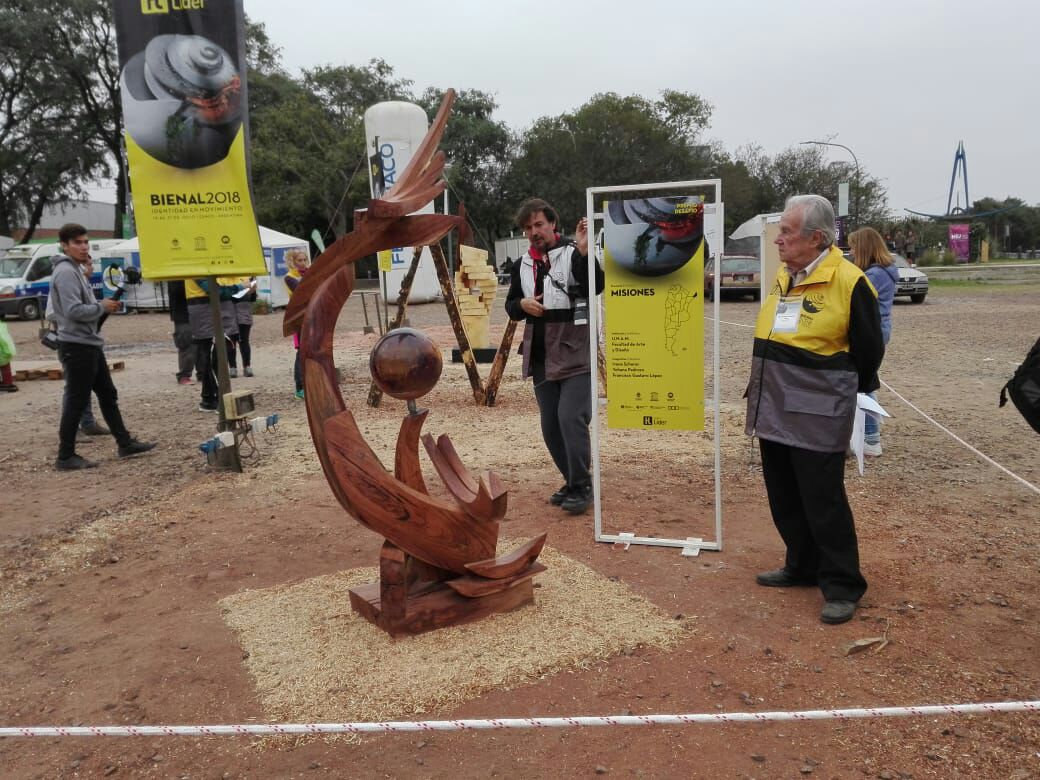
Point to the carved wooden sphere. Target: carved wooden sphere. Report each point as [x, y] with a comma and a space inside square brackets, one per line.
[405, 363]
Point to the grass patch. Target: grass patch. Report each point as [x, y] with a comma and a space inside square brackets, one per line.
[983, 284]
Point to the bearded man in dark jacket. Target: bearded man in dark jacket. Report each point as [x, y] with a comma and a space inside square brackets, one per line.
[550, 290]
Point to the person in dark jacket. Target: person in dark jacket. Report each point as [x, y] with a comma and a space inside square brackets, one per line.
[549, 289]
[817, 344]
[870, 256]
[181, 332]
[80, 348]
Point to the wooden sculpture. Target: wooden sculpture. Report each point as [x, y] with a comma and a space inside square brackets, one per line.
[437, 566]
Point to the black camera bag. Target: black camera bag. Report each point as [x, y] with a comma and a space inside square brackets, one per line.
[1024, 388]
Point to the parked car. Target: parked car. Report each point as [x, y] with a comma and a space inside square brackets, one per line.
[741, 275]
[912, 282]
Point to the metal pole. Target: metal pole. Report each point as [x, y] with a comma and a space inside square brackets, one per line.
[447, 238]
[447, 210]
[226, 457]
[855, 199]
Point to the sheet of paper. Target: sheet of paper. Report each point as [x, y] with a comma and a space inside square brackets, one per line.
[864, 405]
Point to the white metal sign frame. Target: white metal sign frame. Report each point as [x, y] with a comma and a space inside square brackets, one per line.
[690, 545]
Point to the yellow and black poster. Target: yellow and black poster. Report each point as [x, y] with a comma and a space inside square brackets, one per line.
[182, 79]
[654, 313]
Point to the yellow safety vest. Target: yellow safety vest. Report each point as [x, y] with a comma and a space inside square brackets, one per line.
[802, 390]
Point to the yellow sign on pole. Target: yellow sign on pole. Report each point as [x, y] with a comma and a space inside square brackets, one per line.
[183, 91]
[386, 260]
[654, 313]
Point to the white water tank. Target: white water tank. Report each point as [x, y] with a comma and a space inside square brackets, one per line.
[394, 131]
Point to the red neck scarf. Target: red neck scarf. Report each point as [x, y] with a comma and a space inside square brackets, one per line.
[538, 256]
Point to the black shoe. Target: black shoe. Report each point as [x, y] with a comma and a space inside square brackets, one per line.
[207, 408]
[837, 611]
[135, 447]
[558, 497]
[73, 463]
[95, 429]
[782, 578]
[11, 388]
[578, 500]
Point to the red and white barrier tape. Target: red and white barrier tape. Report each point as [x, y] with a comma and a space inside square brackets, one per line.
[395, 727]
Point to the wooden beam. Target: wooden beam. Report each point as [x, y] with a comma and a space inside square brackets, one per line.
[499, 366]
[452, 304]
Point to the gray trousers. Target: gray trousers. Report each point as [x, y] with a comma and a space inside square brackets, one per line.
[565, 406]
[185, 349]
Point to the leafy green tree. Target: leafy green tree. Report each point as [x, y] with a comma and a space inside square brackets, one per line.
[48, 151]
[1016, 229]
[84, 51]
[804, 169]
[308, 142]
[477, 148]
[609, 140]
[262, 56]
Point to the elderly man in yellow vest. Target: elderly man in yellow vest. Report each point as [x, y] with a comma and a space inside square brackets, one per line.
[817, 343]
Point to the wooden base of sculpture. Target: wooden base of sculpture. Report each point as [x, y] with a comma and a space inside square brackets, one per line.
[413, 597]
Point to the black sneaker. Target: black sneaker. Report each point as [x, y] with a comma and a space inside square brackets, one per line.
[73, 463]
[558, 497]
[578, 500]
[95, 429]
[207, 408]
[135, 447]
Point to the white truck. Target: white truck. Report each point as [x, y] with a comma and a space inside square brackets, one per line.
[25, 276]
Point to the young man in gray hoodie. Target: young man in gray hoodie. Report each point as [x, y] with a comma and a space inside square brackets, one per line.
[80, 348]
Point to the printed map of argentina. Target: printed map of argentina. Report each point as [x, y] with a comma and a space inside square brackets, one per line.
[676, 316]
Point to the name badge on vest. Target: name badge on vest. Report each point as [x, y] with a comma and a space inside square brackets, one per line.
[788, 313]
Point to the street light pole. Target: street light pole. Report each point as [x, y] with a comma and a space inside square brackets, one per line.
[451, 255]
[855, 199]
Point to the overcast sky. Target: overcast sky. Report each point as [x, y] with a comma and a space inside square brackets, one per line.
[900, 83]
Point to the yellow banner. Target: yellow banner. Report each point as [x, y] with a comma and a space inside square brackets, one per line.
[654, 313]
[194, 222]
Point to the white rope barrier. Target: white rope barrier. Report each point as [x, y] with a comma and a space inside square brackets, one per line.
[937, 424]
[397, 727]
[957, 438]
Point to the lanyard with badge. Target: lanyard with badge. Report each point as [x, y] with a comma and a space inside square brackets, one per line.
[788, 313]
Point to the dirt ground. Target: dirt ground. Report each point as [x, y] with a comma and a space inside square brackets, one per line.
[110, 579]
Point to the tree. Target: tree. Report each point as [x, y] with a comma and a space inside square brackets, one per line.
[308, 143]
[46, 153]
[262, 56]
[84, 50]
[478, 148]
[803, 169]
[1014, 230]
[609, 140]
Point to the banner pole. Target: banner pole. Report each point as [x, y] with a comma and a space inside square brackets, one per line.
[226, 457]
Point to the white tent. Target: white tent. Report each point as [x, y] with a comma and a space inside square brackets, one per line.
[270, 288]
[764, 227]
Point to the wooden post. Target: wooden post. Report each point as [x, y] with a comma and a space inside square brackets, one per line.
[375, 395]
[499, 366]
[448, 290]
[226, 457]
